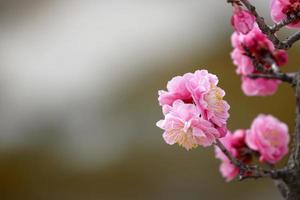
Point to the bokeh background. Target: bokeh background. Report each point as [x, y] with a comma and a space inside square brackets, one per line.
[78, 99]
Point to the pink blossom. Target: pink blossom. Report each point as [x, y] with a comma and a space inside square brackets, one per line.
[199, 88]
[183, 125]
[269, 137]
[259, 86]
[280, 9]
[242, 20]
[208, 97]
[242, 62]
[234, 143]
[176, 90]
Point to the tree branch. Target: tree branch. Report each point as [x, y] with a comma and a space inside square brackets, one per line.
[292, 39]
[294, 160]
[276, 27]
[289, 78]
[250, 171]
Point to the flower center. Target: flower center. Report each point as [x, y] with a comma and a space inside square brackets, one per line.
[185, 138]
[272, 137]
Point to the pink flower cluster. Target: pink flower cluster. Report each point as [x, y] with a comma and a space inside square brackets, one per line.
[194, 110]
[268, 138]
[255, 46]
[281, 9]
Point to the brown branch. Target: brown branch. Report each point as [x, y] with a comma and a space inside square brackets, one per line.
[291, 18]
[250, 171]
[294, 160]
[292, 39]
[289, 78]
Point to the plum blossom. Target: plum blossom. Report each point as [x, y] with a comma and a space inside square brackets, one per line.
[242, 20]
[208, 97]
[176, 90]
[269, 137]
[183, 125]
[281, 9]
[255, 45]
[194, 109]
[199, 88]
[235, 144]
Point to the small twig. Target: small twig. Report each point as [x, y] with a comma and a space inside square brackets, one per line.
[276, 27]
[233, 160]
[289, 78]
[249, 171]
[292, 39]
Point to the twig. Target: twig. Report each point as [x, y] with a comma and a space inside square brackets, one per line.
[289, 78]
[276, 27]
[292, 39]
[249, 171]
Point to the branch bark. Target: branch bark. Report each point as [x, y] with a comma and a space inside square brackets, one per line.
[284, 22]
[289, 78]
[292, 39]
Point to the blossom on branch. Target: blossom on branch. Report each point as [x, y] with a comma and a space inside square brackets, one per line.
[235, 144]
[269, 137]
[252, 48]
[194, 109]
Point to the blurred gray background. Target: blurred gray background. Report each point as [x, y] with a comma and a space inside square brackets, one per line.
[78, 99]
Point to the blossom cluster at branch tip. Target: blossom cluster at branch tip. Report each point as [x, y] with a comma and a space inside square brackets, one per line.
[267, 138]
[282, 9]
[194, 110]
[256, 47]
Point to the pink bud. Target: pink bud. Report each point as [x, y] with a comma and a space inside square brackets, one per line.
[281, 57]
[242, 20]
